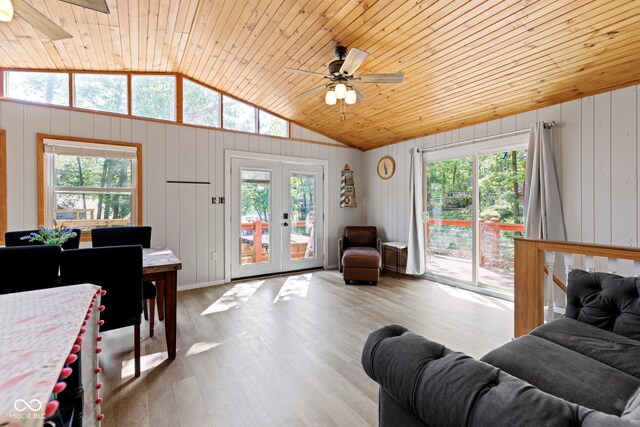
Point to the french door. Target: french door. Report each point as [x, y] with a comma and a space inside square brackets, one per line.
[473, 211]
[276, 217]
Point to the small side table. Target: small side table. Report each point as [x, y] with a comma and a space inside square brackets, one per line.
[394, 256]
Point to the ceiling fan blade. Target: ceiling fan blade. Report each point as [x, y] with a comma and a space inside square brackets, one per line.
[309, 92]
[379, 78]
[359, 95]
[40, 22]
[97, 5]
[304, 72]
[354, 59]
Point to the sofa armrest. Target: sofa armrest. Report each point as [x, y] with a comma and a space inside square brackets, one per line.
[379, 245]
[447, 388]
[340, 252]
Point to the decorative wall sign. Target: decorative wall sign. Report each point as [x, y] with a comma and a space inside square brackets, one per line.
[386, 167]
[347, 189]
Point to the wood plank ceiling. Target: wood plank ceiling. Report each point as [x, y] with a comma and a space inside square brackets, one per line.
[465, 61]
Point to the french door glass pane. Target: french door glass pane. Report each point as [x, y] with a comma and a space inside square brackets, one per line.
[255, 211]
[501, 215]
[450, 216]
[302, 215]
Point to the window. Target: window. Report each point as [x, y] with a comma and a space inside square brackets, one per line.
[89, 184]
[153, 96]
[48, 88]
[238, 115]
[201, 105]
[272, 125]
[103, 92]
[473, 211]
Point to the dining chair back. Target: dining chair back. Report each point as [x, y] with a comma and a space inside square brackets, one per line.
[137, 235]
[118, 271]
[14, 238]
[29, 268]
[117, 236]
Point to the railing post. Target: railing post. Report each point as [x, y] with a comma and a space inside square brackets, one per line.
[529, 290]
[549, 261]
[480, 242]
[257, 241]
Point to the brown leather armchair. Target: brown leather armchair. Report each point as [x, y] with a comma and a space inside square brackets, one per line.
[359, 254]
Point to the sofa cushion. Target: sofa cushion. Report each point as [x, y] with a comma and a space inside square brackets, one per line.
[611, 349]
[565, 373]
[361, 257]
[607, 301]
[632, 410]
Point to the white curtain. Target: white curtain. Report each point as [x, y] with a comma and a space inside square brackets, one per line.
[415, 246]
[543, 208]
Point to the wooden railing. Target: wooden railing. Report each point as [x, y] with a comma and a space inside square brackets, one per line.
[534, 270]
[253, 248]
[88, 224]
[494, 227]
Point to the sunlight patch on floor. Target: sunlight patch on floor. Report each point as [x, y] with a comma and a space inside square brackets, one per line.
[294, 287]
[234, 298]
[473, 297]
[201, 347]
[147, 363]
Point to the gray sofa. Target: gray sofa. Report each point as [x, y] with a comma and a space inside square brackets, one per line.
[581, 370]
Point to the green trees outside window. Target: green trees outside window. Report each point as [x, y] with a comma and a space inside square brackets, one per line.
[101, 92]
[201, 105]
[272, 125]
[153, 96]
[47, 88]
[238, 115]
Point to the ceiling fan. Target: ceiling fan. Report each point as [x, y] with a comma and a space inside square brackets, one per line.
[40, 22]
[341, 77]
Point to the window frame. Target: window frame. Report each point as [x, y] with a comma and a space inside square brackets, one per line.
[41, 181]
[256, 124]
[73, 98]
[183, 101]
[178, 100]
[177, 94]
[5, 87]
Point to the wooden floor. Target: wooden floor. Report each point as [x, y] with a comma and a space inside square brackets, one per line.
[284, 351]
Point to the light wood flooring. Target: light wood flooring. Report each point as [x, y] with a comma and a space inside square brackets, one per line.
[245, 360]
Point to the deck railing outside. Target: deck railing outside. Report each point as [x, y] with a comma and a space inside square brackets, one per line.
[489, 234]
[254, 242]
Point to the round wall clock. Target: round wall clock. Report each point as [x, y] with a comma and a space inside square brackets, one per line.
[386, 167]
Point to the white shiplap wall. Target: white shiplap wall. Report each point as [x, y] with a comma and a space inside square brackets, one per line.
[181, 215]
[597, 153]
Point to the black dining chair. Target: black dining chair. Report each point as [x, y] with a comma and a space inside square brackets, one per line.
[13, 238]
[117, 270]
[29, 268]
[141, 235]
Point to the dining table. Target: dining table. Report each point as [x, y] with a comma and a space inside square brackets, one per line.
[161, 265]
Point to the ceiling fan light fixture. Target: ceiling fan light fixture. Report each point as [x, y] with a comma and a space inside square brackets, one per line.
[350, 98]
[6, 10]
[341, 90]
[330, 98]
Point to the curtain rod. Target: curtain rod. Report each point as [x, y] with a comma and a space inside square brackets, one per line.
[547, 125]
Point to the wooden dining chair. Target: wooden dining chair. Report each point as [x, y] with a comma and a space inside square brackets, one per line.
[29, 268]
[14, 238]
[117, 270]
[141, 235]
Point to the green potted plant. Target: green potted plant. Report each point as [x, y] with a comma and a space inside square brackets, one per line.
[50, 236]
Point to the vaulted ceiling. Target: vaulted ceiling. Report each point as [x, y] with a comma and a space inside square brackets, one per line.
[465, 61]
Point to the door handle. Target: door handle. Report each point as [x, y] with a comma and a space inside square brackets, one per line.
[286, 224]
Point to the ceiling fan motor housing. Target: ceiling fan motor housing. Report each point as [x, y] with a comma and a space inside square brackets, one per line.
[334, 66]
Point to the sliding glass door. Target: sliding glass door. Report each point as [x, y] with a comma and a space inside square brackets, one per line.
[473, 210]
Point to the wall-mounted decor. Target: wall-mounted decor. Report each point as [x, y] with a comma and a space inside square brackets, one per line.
[347, 189]
[386, 167]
